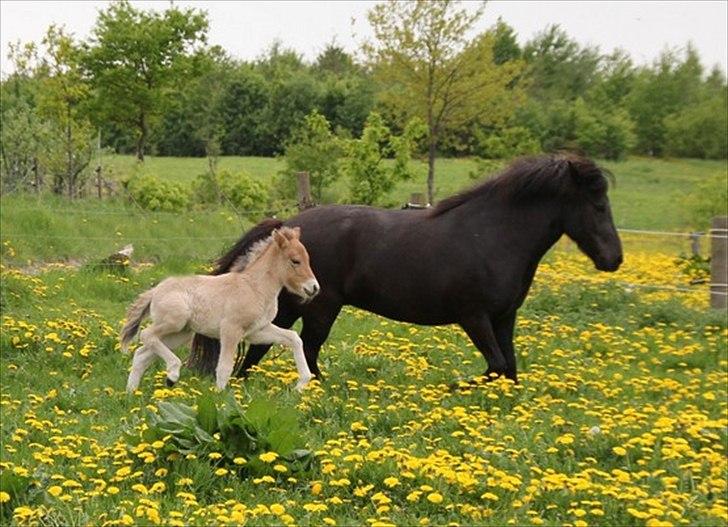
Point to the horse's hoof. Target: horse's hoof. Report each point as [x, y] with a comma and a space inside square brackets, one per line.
[170, 382]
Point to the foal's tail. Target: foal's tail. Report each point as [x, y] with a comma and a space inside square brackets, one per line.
[137, 312]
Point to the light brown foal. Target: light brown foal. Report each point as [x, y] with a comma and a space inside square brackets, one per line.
[239, 305]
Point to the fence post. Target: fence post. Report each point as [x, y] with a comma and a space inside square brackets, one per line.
[695, 243]
[719, 262]
[98, 180]
[304, 191]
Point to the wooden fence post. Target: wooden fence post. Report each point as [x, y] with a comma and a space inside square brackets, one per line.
[98, 181]
[719, 262]
[304, 191]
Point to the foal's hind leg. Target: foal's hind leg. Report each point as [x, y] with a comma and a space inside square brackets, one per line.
[143, 357]
[173, 342]
[154, 338]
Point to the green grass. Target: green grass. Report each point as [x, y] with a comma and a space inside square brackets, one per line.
[650, 193]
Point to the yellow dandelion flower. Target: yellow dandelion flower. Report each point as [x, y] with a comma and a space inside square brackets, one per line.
[434, 497]
[268, 457]
[55, 491]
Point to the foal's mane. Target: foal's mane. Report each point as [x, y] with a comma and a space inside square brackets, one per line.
[256, 250]
[533, 177]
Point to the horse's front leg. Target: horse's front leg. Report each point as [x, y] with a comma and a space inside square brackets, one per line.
[230, 337]
[503, 328]
[480, 331]
[274, 335]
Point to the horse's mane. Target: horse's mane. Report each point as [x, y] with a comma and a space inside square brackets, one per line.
[533, 177]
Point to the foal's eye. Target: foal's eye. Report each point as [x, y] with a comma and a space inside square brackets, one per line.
[295, 262]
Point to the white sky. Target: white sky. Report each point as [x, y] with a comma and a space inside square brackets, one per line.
[246, 29]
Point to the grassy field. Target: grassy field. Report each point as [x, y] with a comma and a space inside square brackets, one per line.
[620, 418]
[650, 193]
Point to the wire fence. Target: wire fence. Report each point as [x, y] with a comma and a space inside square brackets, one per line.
[718, 234]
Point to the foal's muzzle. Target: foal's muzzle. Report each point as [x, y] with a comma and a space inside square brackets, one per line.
[311, 290]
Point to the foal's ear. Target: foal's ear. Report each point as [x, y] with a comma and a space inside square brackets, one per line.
[296, 232]
[280, 240]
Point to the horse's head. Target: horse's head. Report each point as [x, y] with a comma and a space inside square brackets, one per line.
[298, 276]
[588, 216]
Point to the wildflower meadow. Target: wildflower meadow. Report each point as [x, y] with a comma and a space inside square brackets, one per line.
[619, 417]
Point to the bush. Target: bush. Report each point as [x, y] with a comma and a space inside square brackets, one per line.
[244, 193]
[153, 193]
[709, 199]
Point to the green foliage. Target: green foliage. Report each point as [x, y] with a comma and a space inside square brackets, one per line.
[219, 424]
[369, 178]
[315, 149]
[429, 67]
[135, 60]
[16, 486]
[700, 130]
[507, 143]
[602, 134]
[709, 199]
[247, 195]
[153, 193]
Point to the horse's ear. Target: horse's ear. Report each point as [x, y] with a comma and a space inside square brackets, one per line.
[296, 232]
[279, 238]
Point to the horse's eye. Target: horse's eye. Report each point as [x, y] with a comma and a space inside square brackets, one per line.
[296, 262]
[601, 207]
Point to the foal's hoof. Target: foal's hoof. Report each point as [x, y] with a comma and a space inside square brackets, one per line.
[170, 382]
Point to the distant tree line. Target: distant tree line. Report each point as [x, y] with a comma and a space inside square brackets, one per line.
[147, 82]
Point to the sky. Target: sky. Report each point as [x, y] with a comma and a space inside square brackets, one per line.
[246, 29]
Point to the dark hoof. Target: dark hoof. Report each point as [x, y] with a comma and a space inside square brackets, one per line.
[170, 382]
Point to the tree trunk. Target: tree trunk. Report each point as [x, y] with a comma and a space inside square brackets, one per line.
[141, 143]
[69, 154]
[431, 169]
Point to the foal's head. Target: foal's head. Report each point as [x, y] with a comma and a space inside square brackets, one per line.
[298, 276]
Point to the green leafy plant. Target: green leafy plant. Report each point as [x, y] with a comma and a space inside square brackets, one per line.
[247, 195]
[225, 427]
[15, 486]
[369, 177]
[153, 193]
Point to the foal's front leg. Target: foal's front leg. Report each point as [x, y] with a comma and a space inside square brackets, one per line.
[230, 337]
[274, 335]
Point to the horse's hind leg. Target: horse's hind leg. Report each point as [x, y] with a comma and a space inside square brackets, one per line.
[143, 357]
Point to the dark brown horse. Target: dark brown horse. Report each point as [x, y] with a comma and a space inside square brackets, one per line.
[470, 260]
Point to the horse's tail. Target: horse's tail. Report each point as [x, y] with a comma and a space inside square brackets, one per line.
[204, 351]
[137, 312]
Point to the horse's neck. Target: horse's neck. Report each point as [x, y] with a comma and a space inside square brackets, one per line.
[529, 229]
[265, 273]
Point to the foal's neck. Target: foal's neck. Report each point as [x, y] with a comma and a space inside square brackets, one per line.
[265, 272]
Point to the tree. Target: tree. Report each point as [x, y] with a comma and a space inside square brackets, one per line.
[315, 149]
[61, 99]
[369, 177]
[136, 58]
[429, 68]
